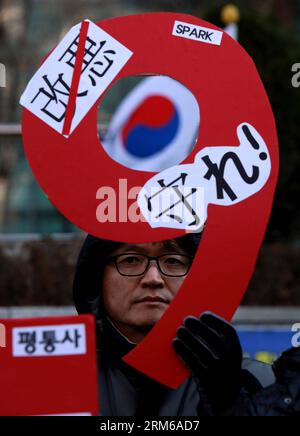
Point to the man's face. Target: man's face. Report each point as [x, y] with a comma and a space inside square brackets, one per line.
[135, 304]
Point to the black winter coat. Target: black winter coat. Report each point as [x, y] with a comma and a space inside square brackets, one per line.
[283, 397]
[123, 391]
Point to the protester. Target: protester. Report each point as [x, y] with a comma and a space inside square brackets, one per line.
[282, 398]
[128, 287]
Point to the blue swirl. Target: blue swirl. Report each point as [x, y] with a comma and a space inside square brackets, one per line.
[143, 141]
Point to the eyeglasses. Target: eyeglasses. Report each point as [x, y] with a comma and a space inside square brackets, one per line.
[134, 264]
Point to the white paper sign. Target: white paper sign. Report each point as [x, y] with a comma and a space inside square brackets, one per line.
[197, 33]
[52, 340]
[178, 197]
[47, 93]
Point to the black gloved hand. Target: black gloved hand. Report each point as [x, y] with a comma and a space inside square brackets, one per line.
[211, 349]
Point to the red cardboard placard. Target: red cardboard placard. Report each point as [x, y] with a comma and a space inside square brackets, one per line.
[225, 82]
[49, 384]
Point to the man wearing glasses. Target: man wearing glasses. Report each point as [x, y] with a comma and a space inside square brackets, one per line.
[129, 287]
[140, 282]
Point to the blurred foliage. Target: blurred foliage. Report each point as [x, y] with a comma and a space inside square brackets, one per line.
[276, 280]
[38, 272]
[275, 48]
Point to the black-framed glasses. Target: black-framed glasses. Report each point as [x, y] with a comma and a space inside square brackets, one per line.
[135, 264]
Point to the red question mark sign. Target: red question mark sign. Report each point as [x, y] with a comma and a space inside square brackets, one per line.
[229, 92]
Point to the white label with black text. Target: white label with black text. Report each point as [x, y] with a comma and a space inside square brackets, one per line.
[47, 93]
[179, 197]
[197, 33]
[52, 340]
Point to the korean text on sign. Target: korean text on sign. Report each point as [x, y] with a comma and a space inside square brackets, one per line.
[52, 340]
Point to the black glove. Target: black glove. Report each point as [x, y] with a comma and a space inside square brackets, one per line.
[211, 349]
